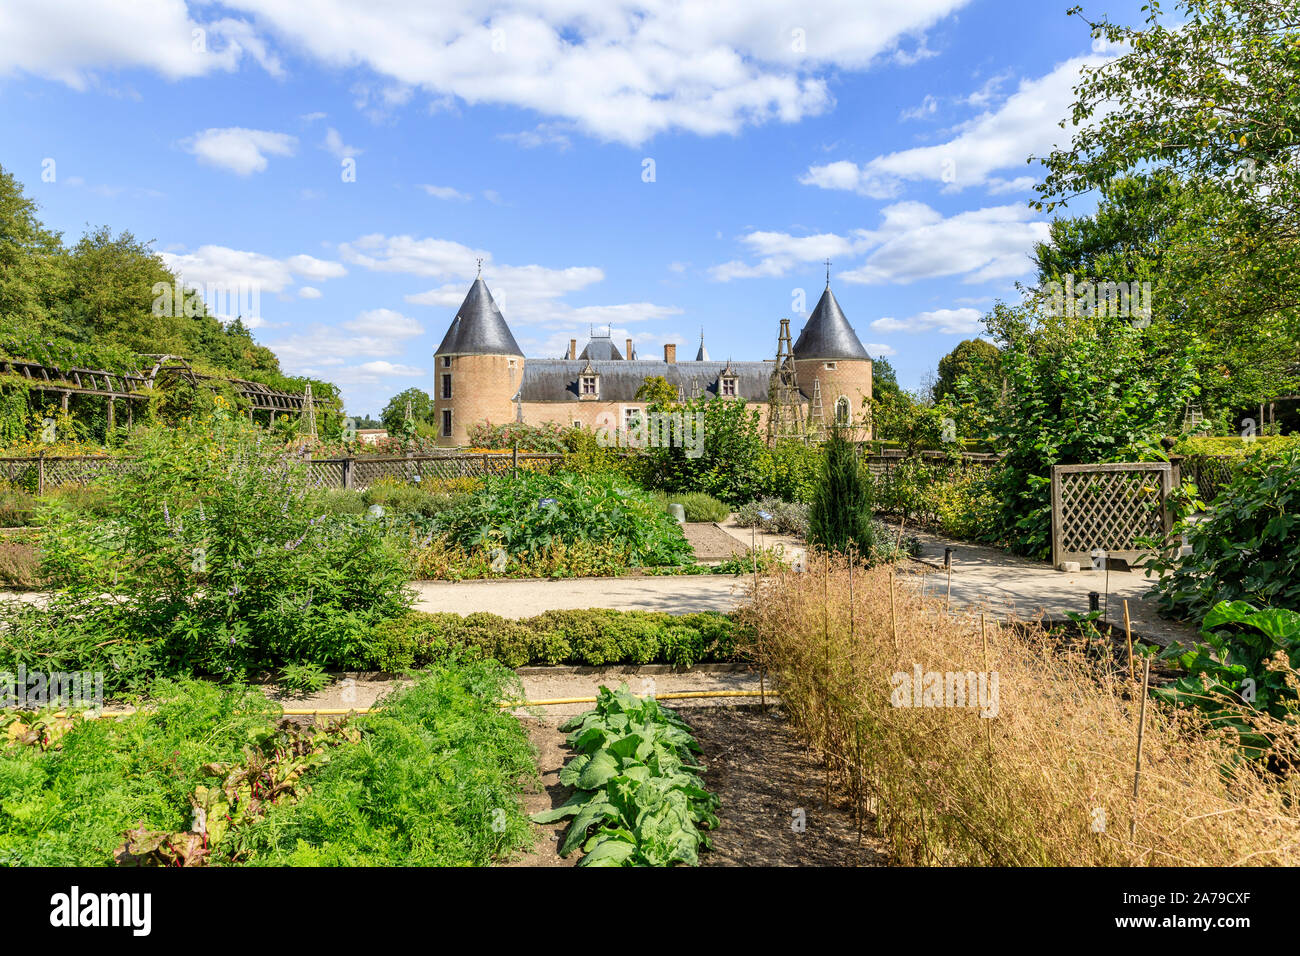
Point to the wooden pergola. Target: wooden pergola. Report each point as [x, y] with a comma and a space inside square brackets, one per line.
[137, 386]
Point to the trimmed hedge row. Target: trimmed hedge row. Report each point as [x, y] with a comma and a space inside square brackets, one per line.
[590, 637]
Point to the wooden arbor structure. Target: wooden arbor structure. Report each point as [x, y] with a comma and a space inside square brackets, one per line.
[138, 386]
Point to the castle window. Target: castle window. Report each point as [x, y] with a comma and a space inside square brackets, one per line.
[446, 385]
[727, 388]
[446, 423]
[843, 410]
[577, 424]
[630, 417]
[446, 361]
[829, 365]
[590, 386]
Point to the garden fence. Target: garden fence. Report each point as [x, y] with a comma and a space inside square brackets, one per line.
[1109, 508]
[44, 472]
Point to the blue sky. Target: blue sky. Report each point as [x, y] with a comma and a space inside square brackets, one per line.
[887, 135]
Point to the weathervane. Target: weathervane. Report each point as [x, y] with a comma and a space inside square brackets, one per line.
[828, 273]
[480, 267]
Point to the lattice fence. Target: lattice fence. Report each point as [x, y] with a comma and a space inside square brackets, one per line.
[1210, 473]
[1108, 508]
[359, 473]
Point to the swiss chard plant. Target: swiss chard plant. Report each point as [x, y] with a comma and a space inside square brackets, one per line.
[640, 798]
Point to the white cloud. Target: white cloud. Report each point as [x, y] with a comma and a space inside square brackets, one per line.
[917, 242]
[928, 107]
[385, 323]
[1024, 124]
[242, 151]
[309, 292]
[232, 268]
[948, 321]
[879, 349]
[914, 241]
[779, 252]
[314, 268]
[620, 70]
[526, 295]
[543, 134]
[445, 192]
[334, 144]
[69, 40]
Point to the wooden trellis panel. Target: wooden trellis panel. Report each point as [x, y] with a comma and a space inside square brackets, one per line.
[1108, 507]
[356, 473]
[1209, 472]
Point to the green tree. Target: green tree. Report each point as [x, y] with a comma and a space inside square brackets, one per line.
[1078, 390]
[657, 391]
[971, 358]
[394, 414]
[1209, 95]
[839, 518]
[31, 265]
[884, 380]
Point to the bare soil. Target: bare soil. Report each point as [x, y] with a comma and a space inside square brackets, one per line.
[710, 542]
[760, 771]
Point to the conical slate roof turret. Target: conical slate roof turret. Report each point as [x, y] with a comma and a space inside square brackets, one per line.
[828, 334]
[479, 327]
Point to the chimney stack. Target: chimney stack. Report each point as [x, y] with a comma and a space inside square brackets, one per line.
[629, 348]
[670, 354]
[573, 349]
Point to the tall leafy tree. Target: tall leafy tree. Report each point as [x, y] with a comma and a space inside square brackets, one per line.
[1209, 94]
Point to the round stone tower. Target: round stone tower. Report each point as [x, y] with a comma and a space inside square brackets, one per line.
[477, 369]
[829, 357]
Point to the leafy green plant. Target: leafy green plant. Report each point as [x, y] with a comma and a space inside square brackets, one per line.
[304, 678]
[220, 559]
[528, 513]
[1246, 547]
[591, 637]
[1235, 669]
[640, 798]
[697, 505]
[204, 775]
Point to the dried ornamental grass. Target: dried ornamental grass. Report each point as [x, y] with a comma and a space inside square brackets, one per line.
[1046, 781]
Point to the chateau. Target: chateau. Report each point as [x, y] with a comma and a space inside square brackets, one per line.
[482, 376]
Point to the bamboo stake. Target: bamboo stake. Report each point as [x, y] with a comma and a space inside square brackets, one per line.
[988, 726]
[1137, 766]
[1128, 633]
[893, 610]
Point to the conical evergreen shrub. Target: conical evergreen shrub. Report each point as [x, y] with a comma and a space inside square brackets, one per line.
[840, 517]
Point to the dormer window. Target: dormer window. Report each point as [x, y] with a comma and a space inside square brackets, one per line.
[588, 383]
[728, 382]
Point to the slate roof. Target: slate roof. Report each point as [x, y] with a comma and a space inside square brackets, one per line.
[601, 348]
[828, 334]
[556, 380]
[479, 327]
